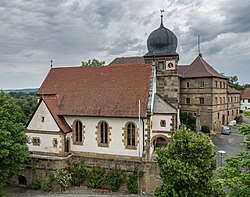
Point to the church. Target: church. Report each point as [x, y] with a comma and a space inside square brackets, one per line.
[124, 110]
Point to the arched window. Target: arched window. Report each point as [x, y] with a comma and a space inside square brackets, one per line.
[131, 134]
[78, 133]
[103, 133]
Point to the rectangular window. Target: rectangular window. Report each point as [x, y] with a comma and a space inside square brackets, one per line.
[187, 84]
[216, 100]
[202, 84]
[202, 101]
[220, 84]
[163, 123]
[55, 142]
[42, 119]
[248, 101]
[216, 84]
[220, 100]
[36, 141]
[232, 112]
[224, 100]
[187, 100]
[218, 115]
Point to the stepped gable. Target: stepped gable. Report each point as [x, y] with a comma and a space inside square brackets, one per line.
[200, 68]
[108, 91]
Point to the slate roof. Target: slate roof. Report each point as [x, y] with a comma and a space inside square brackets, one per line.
[200, 68]
[51, 103]
[245, 94]
[111, 91]
[128, 60]
[162, 107]
[181, 69]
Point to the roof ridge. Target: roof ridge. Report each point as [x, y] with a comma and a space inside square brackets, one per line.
[206, 65]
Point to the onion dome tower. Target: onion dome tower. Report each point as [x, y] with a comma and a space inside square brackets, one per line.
[162, 45]
[162, 42]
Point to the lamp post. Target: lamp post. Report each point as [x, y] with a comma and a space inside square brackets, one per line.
[221, 152]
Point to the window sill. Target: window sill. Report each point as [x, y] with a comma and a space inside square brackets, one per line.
[131, 147]
[78, 143]
[103, 145]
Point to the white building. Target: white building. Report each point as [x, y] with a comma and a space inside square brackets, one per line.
[107, 111]
[245, 99]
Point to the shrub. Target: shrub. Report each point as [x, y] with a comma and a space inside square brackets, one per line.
[62, 178]
[48, 184]
[96, 177]
[247, 112]
[114, 178]
[132, 183]
[78, 172]
[35, 184]
[205, 129]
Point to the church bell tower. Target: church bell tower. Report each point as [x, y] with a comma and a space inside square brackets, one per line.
[162, 44]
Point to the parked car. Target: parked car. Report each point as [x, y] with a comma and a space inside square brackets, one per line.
[232, 123]
[226, 130]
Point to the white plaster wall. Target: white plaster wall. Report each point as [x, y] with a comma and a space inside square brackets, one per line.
[156, 119]
[49, 123]
[116, 146]
[46, 142]
[244, 105]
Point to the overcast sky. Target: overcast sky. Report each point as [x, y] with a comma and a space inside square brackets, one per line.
[32, 32]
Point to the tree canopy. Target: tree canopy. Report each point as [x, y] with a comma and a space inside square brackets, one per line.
[187, 166]
[13, 148]
[236, 173]
[93, 62]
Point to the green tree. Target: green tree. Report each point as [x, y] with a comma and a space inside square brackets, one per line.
[236, 173]
[188, 119]
[93, 62]
[187, 166]
[13, 148]
[233, 80]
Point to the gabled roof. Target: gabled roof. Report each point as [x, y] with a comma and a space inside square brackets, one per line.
[245, 94]
[181, 69]
[128, 60]
[200, 68]
[231, 90]
[51, 103]
[162, 107]
[99, 90]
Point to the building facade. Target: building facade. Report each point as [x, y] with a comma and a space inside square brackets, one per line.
[245, 99]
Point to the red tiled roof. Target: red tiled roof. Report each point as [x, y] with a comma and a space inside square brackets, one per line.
[231, 90]
[99, 90]
[181, 69]
[128, 60]
[245, 94]
[200, 68]
[51, 103]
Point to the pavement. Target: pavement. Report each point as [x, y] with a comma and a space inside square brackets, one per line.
[231, 144]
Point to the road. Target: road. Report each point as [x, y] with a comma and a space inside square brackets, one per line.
[229, 143]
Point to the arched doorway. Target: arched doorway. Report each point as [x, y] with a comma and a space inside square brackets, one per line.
[22, 180]
[159, 142]
[67, 145]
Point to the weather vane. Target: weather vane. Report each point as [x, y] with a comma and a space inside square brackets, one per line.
[51, 63]
[162, 15]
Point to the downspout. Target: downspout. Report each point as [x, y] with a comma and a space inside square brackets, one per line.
[143, 137]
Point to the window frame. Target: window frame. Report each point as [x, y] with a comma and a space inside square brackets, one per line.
[36, 141]
[128, 136]
[103, 136]
[78, 132]
[202, 101]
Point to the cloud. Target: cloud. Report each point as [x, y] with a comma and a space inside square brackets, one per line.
[69, 31]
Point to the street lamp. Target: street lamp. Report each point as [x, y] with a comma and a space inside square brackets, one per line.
[221, 155]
